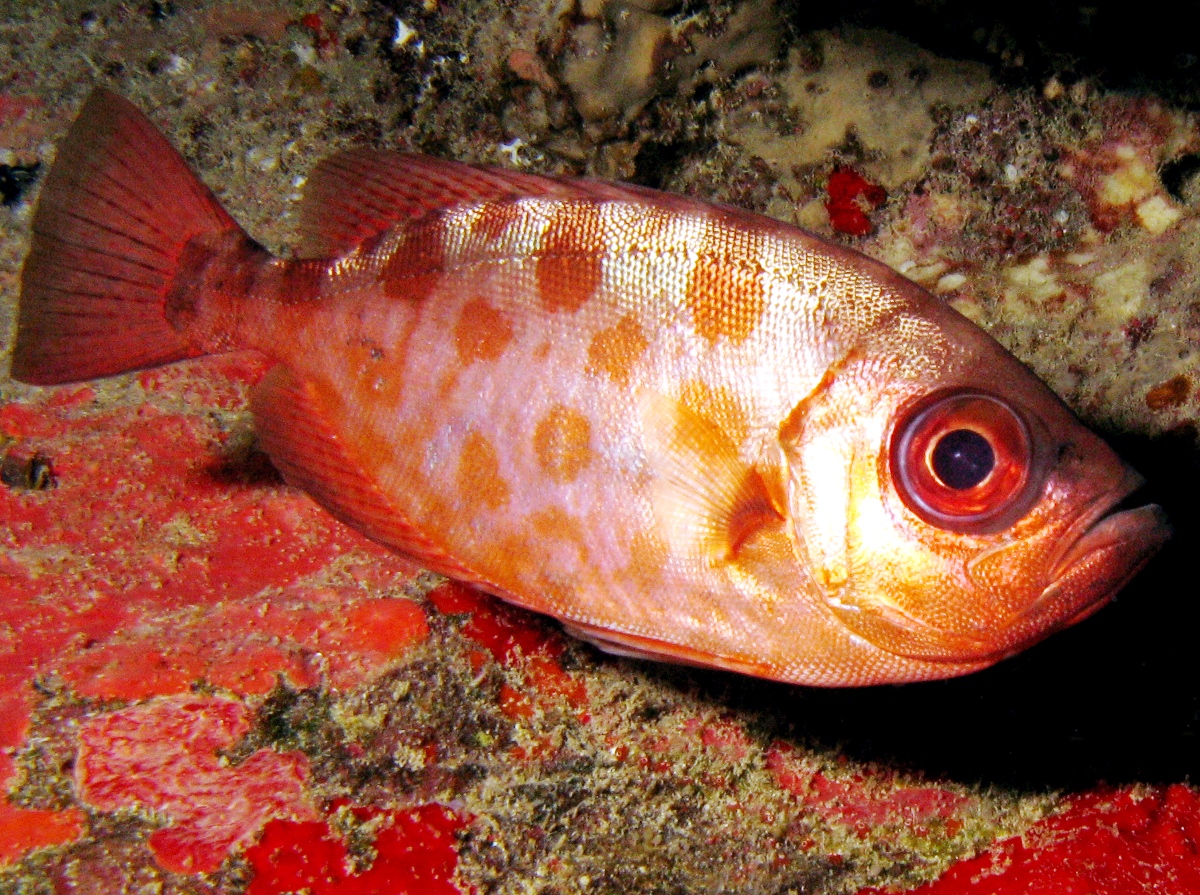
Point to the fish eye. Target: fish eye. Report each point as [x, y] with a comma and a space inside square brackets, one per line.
[962, 461]
[962, 458]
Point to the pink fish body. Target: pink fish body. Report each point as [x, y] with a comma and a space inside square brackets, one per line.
[688, 432]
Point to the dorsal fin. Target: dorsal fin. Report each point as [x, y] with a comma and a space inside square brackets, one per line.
[706, 499]
[353, 195]
[295, 432]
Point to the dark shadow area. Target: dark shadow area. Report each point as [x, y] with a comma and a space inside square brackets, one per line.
[241, 462]
[656, 162]
[15, 182]
[1114, 699]
[1118, 45]
[1176, 174]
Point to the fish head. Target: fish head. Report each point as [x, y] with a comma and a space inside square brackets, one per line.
[949, 506]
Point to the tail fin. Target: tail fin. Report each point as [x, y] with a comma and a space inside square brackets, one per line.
[116, 212]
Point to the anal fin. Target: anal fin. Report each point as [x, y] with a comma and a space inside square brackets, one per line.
[294, 429]
[647, 649]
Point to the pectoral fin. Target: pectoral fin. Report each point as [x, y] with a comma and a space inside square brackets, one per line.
[707, 500]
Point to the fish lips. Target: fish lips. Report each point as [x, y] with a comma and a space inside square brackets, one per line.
[1105, 548]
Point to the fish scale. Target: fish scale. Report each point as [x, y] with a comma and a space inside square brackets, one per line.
[688, 432]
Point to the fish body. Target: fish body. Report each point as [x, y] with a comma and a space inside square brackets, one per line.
[688, 432]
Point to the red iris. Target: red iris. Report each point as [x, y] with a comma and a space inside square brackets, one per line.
[962, 461]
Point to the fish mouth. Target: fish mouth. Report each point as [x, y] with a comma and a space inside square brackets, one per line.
[1106, 547]
[1115, 520]
[1100, 547]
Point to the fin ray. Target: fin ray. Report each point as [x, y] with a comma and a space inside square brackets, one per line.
[356, 194]
[648, 649]
[294, 430]
[116, 211]
[707, 500]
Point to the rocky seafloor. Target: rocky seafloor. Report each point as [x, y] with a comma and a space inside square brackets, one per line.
[208, 685]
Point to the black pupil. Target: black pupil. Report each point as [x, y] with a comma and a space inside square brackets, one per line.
[962, 459]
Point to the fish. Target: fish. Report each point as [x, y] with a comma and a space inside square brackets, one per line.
[688, 432]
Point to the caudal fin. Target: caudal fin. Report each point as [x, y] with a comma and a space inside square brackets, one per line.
[114, 216]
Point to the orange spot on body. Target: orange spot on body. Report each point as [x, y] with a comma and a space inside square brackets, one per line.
[413, 271]
[719, 406]
[482, 332]
[646, 233]
[556, 594]
[613, 351]
[556, 523]
[562, 441]
[494, 220]
[570, 260]
[373, 374]
[725, 291]
[510, 562]
[647, 557]
[479, 473]
[515, 564]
